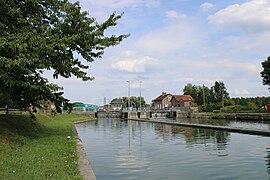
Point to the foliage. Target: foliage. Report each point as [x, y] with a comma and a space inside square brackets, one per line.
[219, 92]
[134, 101]
[191, 90]
[217, 98]
[211, 107]
[37, 148]
[266, 72]
[201, 94]
[260, 102]
[44, 35]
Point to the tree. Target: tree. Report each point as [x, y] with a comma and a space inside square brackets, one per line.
[191, 90]
[266, 72]
[198, 93]
[39, 35]
[203, 95]
[134, 101]
[219, 92]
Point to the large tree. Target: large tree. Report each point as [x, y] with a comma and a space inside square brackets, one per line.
[266, 72]
[203, 94]
[192, 90]
[38, 35]
[219, 92]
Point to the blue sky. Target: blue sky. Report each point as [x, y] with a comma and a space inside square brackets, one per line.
[175, 42]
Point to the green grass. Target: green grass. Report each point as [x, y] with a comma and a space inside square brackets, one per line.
[37, 148]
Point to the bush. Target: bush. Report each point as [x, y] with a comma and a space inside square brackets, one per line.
[212, 107]
[216, 111]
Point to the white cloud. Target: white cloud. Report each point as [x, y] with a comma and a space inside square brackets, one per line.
[171, 38]
[207, 6]
[240, 66]
[175, 15]
[252, 16]
[241, 92]
[137, 65]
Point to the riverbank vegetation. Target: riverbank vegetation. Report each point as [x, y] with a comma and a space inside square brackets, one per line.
[38, 148]
[216, 99]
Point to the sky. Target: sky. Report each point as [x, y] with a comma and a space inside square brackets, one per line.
[176, 42]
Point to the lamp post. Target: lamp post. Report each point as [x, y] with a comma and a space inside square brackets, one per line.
[203, 96]
[128, 94]
[140, 96]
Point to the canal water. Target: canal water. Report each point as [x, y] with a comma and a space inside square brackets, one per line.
[120, 149]
[245, 124]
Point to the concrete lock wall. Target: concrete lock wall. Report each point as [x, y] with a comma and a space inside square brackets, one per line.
[236, 116]
[111, 114]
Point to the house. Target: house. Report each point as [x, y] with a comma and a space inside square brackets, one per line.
[163, 101]
[116, 105]
[181, 100]
[166, 101]
[85, 107]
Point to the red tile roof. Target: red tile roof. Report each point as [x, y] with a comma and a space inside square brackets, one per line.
[161, 97]
[183, 97]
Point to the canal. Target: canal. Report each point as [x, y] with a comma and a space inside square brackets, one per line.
[121, 149]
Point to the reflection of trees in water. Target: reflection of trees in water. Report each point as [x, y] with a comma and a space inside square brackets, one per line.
[267, 160]
[113, 124]
[194, 136]
[217, 122]
[206, 136]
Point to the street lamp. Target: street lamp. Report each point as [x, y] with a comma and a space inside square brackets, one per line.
[128, 94]
[140, 96]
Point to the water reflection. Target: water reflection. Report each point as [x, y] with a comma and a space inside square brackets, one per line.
[120, 149]
[267, 159]
[211, 139]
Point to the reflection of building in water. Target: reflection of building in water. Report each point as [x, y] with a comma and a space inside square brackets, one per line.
[193, 135]
[168, 131]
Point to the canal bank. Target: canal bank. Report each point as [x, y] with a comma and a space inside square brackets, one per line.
[222, 128]
[181, 114]
[83, 162]
[232, 116]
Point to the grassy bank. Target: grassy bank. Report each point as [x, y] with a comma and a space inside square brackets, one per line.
[37, 148]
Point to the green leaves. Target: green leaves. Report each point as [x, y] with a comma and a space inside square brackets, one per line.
[37, 35]
[266, 72]
[200, 94]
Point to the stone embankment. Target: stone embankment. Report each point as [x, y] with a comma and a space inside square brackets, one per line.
[234, 116]
[222, 128]
[83, 162]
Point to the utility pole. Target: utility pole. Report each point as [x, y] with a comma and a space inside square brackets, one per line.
[140, 96]
[203, 96]
[128, 94]
[222, 100]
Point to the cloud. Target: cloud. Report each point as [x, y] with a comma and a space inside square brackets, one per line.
[240, 66]
[207, 6]
[252, 16]
[241, 92]
[175, 15]
[170, 38]
[137, 65]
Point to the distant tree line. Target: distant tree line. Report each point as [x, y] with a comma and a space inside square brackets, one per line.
[217, 99]
[134, 101]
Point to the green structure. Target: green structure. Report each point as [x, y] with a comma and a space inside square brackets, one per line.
[85, 107]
